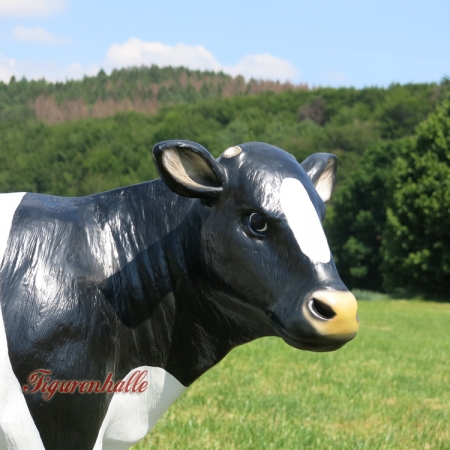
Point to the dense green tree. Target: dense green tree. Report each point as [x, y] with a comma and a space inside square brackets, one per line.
[416, 242]
[358, 216]
[403, 108]
[76, 158]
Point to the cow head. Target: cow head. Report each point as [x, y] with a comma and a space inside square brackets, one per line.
[263, 250]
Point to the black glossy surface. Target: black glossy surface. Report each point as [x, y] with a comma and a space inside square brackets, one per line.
[144, 276]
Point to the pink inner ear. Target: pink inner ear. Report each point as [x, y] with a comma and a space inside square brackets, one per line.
[174, 165]
[325, 182]
[324, 185]
[190, 173]
[198, 169]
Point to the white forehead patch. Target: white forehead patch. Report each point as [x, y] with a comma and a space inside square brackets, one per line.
[232, 151]
[304, 221]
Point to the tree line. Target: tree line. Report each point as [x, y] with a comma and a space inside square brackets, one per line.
[388, 221]
[143, 89]
[391, 217]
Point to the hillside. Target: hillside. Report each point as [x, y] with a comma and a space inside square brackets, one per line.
[95, 154]
[143, 89]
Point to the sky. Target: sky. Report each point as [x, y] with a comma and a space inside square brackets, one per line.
[319, 42]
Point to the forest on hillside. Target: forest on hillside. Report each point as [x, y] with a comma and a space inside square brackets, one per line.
[143, 89]
[388, 220]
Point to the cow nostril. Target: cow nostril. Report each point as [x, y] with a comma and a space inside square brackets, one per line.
[320, 309]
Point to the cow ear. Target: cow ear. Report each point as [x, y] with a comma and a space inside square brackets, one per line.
[189, 169]
[321, 168]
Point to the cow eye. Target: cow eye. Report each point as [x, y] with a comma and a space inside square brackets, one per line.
[257, 223]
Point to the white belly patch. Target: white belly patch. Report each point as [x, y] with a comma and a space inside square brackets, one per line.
[131, 416]
[304, 221]
[8, 206]
[17, 428]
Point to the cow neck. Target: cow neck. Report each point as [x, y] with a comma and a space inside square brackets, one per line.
[203, 331]
[163, 317]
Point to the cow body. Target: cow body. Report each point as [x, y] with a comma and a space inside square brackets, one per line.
[165, 277]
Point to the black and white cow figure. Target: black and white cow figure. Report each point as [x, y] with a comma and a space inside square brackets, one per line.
[165, 278]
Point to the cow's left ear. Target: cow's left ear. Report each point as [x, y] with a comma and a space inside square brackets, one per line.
[189, 169]
[321, 168]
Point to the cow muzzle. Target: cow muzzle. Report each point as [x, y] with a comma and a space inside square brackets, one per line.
[332, 314]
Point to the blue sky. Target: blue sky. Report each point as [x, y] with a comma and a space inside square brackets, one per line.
[319, 42]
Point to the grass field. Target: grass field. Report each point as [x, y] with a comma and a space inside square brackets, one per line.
[388, 389]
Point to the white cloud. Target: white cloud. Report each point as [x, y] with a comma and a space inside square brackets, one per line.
[336, 78]
[31, 8]
[265, 66]
[135, 52]
[76, 71]
[37, 34]
[7, 66]
[50, 70]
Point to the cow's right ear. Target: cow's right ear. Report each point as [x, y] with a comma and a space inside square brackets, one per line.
[189, 169]
[321, 168]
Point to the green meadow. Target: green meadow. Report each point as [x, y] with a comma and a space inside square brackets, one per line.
[387, 389]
